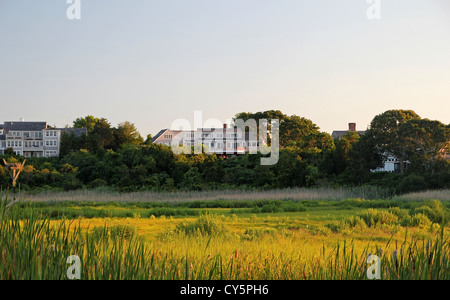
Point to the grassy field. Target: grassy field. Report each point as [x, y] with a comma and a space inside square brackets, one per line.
[295, 194]
[226, 238]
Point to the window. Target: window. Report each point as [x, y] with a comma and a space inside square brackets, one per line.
[48, 133]
[168, 136]
[51, 153]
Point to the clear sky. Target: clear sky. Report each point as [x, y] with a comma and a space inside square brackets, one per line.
[151, 62]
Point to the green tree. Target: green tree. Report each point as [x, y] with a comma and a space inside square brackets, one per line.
[102, 136]
[87, 122]
[292, 128]
[127, 133]
[425, 140]
[384, 131]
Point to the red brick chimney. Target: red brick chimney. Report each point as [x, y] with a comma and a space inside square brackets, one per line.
[225, 126]
[352, 127]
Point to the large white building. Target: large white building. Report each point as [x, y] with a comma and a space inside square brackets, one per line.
[216, 140]
[33, 139]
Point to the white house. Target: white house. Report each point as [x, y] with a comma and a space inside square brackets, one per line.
[391, 164]
[216, 140]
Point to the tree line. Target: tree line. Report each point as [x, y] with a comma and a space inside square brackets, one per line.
[119, 158]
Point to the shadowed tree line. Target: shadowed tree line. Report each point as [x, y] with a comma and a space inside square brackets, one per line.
[119, 158]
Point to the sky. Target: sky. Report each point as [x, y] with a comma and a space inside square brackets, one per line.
[152, 62]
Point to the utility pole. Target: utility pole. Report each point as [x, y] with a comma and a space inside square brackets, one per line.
[16, 168]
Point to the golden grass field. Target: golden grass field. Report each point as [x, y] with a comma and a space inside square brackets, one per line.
[270, 247]
[243, 239]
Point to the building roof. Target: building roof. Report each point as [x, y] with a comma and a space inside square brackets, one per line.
[159, 134]
[25, 126]
[75, 131]
[338, 134]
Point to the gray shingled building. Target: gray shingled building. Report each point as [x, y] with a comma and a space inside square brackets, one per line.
[33, 139]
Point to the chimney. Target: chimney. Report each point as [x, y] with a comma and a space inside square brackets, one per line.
[225, 126]
[22, 120]
[352, 127]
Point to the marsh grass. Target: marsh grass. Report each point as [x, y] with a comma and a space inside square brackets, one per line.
[442, 195]
[365, 192]
[32, 247]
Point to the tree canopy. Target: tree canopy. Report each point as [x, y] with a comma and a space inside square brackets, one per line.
[118, 158]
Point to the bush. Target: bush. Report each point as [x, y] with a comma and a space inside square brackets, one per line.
[337, 226]
[71, 183]
[373, 216]
[271, 208]
[412, 183]
[400, 213]
[320, 230]
[355, 222]
[434, 210]
[420, 220]
[386, 217]
[97, 183]
[206, 224]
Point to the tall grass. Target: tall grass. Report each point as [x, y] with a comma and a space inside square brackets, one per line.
[367, 192]
[34, 248]
[442, 195]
